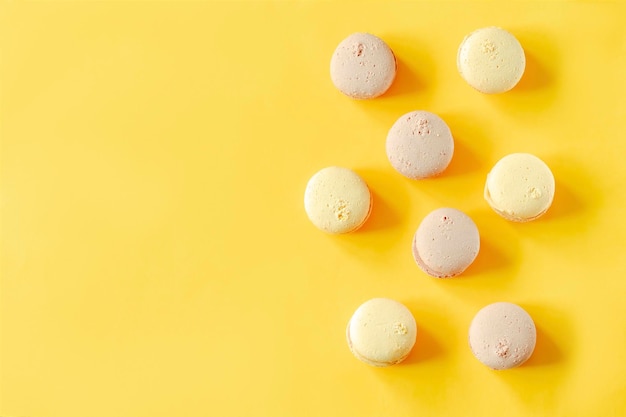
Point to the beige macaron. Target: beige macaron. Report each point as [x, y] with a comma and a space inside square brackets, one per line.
[337, 200]
[491, 60]
[363, 66]
[502, 335]
[446, 243]
[520, 187]
[381, 332]
[420, 145]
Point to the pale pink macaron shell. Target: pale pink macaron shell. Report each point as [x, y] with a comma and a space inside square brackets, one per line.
[363, 66]
[446, 243]
[420, 145]
[502, 335]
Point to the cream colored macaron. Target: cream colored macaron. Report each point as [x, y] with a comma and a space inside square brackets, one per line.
[491, 60]
[363, 66]
[502, 336]
[381, 332]
[520, 187]
[337, 200]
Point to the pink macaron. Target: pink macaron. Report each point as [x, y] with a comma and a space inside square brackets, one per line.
[363, 66]
[502, 335]
[446, 243]
[420, 145]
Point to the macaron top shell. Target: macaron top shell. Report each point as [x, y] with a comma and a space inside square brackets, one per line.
[491, 60]
[520, 187]
[381, 332]
[446, 243]
[363, 66]
[502, 335]
[420, 145]
[337, 200]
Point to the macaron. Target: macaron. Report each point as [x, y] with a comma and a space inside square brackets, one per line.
[520, 187]
[337, 200]
[502, 336]
[419, 145]
[491, 60]
[446, 243]
[363, 66]
[381, 332]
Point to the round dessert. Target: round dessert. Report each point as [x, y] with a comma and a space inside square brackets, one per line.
[491, 60]
[363, 66]
[420, 145]
[337, 200]
[446, 243]
[381, 332]
[520, 187]
[502, 336]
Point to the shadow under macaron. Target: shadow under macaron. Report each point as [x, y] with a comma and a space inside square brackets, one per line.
[498, 257]
[464, 160]
[382, 215]
[416, 70]
[406, 82]
[415, 82]
[390, 200]
[388, 220]
[548, 365]
[577, 200]
[490, 258]
[550, 324]
[473, 145]
[538, 87]
[464, 178]
[430, 320]
[426, 348]
[566, 202]
[547, 352]
[536, 75]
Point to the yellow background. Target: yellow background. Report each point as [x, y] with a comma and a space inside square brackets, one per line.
[156, 257]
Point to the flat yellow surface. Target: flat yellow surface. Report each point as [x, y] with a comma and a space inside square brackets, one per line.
[156, 257]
